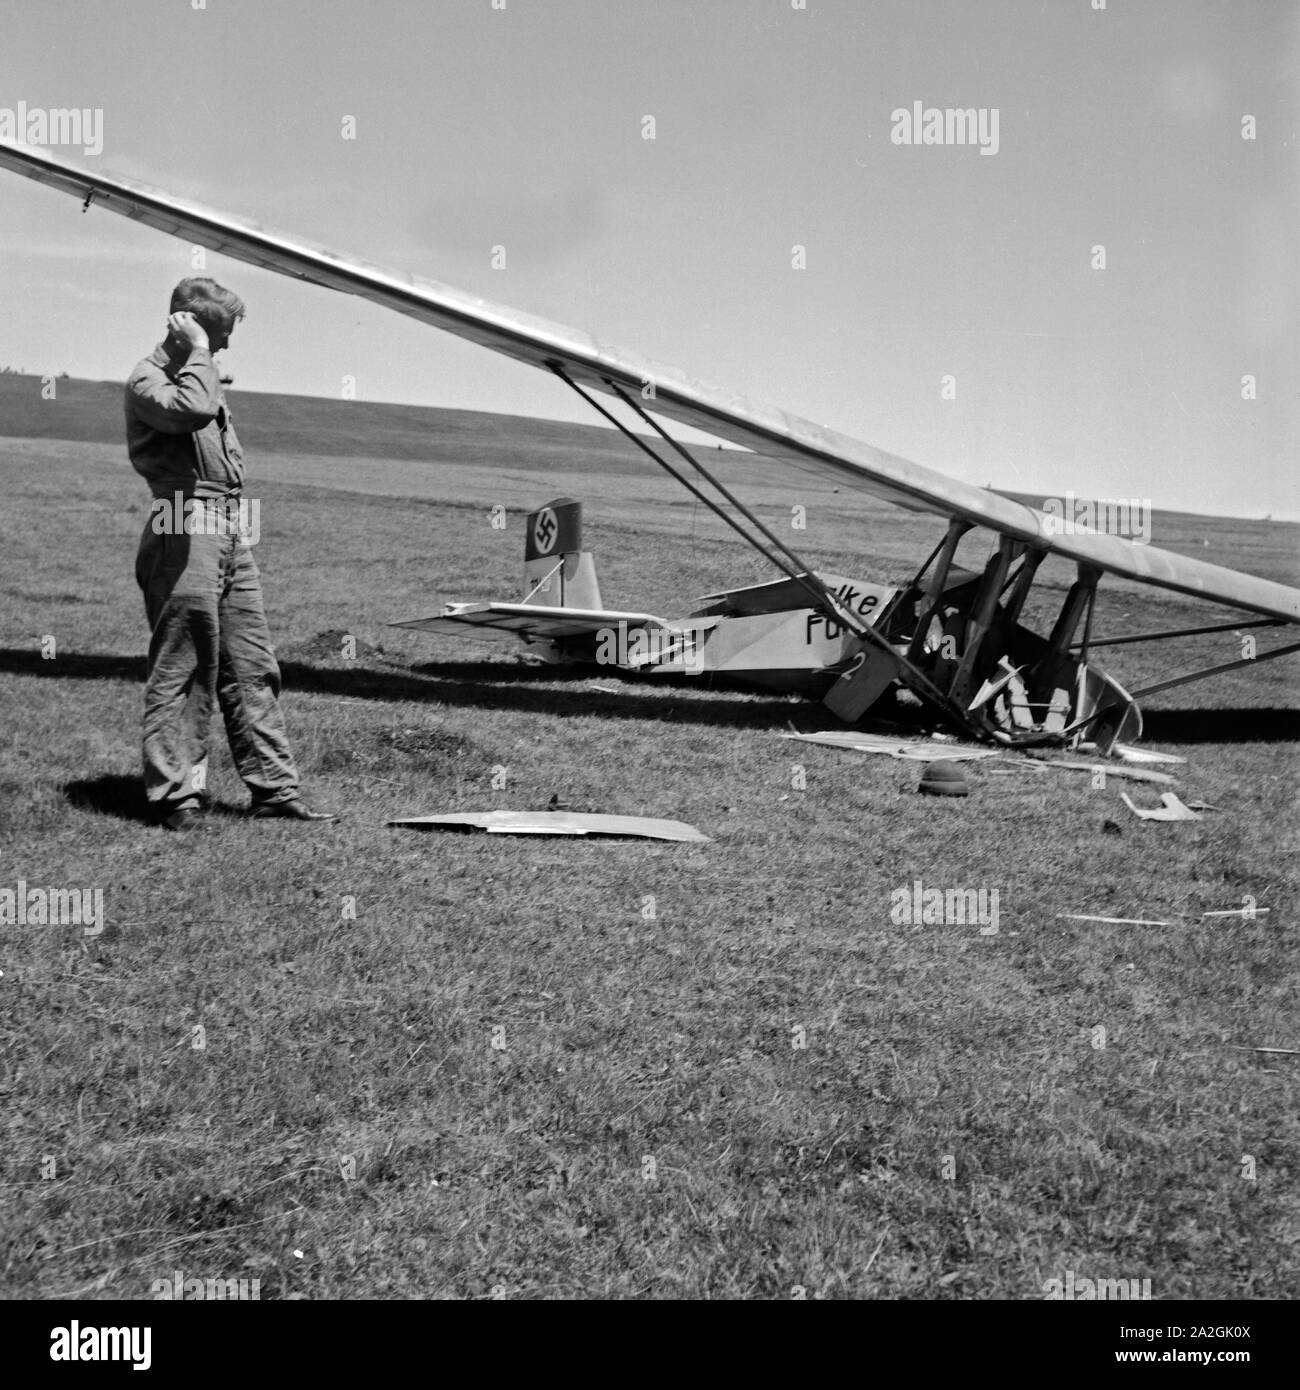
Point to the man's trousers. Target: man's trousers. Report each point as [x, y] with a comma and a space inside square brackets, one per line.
[203, 597]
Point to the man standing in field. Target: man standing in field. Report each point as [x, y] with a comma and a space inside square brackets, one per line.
[202, 592]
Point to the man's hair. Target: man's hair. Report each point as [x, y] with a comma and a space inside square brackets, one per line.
[213, 305]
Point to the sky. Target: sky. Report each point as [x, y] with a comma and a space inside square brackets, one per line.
[777, 236]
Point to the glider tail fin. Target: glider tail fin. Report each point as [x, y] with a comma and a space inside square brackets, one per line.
[558, 573]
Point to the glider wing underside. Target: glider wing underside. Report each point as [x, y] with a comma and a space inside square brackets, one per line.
[591, 363]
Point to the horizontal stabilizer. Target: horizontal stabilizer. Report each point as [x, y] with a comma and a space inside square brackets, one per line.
[528, 621]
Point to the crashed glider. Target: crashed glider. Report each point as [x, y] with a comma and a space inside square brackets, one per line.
[957, 644]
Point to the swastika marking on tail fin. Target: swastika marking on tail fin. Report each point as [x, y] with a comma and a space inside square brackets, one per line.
[545, 529]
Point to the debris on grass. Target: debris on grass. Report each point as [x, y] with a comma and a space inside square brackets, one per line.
[1244, 912]
[1134, 774]
[943, 777]
[1115, 921]
[1169, 809]
[926, 751]
[557, 823]
[1127, 753]
[919, 750]
[1145, 755]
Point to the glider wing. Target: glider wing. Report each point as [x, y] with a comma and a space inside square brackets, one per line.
[591, 363]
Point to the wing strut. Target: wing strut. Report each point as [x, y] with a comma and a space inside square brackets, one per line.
[783, 557]
[1201, 675]
[1180, 632]
[1175, 681]
[791, 565]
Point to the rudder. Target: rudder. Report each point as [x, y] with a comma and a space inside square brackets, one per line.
[558, 573]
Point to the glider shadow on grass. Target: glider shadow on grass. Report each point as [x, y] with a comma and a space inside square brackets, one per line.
[476, 685]
[531, 690]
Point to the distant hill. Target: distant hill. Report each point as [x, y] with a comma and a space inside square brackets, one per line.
[270, 422]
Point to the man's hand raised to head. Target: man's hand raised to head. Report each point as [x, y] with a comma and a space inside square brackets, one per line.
[187, 330]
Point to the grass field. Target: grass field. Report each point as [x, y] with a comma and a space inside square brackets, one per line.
[541, 1068]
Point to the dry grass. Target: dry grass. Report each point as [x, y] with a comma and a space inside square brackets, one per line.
[504, 1075]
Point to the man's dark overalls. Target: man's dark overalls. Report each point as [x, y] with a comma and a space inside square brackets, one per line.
[202, 592]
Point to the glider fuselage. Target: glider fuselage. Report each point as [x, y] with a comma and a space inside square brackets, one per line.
[952, 637]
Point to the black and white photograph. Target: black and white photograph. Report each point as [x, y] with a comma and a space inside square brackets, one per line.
[648, 653]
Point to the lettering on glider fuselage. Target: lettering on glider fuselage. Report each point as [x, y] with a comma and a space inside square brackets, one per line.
[856, 598]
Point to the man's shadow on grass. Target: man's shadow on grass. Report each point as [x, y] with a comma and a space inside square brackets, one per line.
[123, 798]
[110, 795]
[501, 685]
